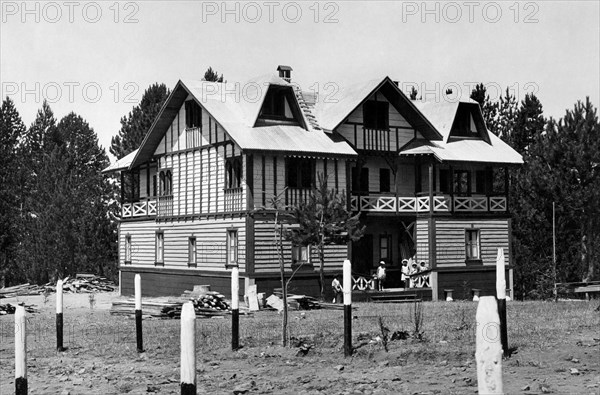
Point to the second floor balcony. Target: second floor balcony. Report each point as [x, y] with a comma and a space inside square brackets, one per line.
[421, 204]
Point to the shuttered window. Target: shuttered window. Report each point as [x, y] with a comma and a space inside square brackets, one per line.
[128, 249]
[376, 115]
[300, 254]
[232, 247]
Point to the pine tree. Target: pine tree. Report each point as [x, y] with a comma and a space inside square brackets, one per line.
[212, 75]
[529, 122]
[507, 110]
[12, 131]
[413, 93]
[136, 124]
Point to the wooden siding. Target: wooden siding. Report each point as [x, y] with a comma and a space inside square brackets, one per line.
[450, 240]
[210, 242]
[270, 176]
[422, 239]
[166, 282]
[265, 251]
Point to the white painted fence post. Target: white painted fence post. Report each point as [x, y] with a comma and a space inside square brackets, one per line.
[59, 316]
[488, 353]
[138, 312]
[347, 285]
[501, 296]
[235, 308]
[188, 349]
[20, 352]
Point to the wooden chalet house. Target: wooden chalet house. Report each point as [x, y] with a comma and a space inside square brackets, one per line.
[428, 179]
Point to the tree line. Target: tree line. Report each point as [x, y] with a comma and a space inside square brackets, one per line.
[58, 211]
[557, 190]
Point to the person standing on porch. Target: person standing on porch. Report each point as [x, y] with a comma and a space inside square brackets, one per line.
[381, 274]
[337, 289]
[405, 273]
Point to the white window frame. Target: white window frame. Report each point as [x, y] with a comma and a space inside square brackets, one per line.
[472, 244]
[192, 251]
[128, 249]
[232, 247]
[159, 251]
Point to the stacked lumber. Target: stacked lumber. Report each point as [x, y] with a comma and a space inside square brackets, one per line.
[149, 308]
[206, 304]
[81, 283]
[10, 309]
[305, 302]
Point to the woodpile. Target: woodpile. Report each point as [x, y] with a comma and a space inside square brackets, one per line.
[10, 309]
[206, 304]
[82, 283]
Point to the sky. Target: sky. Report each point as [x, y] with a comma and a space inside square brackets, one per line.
[96, 58]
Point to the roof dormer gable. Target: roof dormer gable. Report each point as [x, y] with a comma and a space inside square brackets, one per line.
[280, 107]
[468, 123]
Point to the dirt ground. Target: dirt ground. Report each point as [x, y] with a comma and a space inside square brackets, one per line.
[101, 357]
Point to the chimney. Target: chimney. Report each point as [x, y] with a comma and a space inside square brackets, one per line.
[285, 72]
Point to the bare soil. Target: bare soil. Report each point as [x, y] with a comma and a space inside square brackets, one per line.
[557, 351]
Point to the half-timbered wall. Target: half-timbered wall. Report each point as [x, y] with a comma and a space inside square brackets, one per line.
[196, 158]
[210, 242]
[400, 131]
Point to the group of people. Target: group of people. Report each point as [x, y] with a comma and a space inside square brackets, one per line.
[410, 274]
[411, 277]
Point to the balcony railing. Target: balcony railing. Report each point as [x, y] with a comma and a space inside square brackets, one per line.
[234, 199]
[420, 204]
[143, 208]
[295, 196]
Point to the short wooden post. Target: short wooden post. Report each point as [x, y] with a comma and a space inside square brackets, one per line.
[448, 295]
[475, 292]
[501, 297]
[138, 313]
[347, 285]
[235, 308]
[188, 349]
[20, 352]
[488, 353]
[59, 316]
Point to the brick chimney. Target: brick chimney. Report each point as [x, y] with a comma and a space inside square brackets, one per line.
[285, 72]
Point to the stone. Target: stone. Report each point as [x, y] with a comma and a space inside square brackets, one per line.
[339, 367]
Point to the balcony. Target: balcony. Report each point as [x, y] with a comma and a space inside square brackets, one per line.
[422, 204]
[143, 208]
[165, 206]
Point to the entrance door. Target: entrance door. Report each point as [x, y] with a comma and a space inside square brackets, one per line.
[362, 256]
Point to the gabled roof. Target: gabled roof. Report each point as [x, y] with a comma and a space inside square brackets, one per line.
[442, 115]
[333, 111]
[122, 163]
[488, 149]
[236, 108]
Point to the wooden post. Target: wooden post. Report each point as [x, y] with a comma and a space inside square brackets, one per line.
[347, 285]
[59, 316]
[235, 305]
[138, 312]
[488, 353]
[20, 352]
[188, 349]
[501, 297]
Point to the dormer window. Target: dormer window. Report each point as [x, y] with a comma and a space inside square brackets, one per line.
[376, 115]
[193, 114]
[277, 104]
[464, 124]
